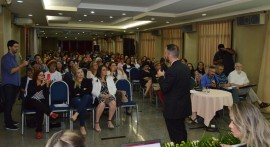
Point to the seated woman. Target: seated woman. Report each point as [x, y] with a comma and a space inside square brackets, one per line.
[146, 80]
[37, 99]
[200, 68]
[92, 70]
[128, 66]
[116, 73]
[104, 90]
[249, 125]
[81, 97]
[155, 85]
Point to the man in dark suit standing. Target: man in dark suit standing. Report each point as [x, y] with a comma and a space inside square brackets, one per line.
[175, 84]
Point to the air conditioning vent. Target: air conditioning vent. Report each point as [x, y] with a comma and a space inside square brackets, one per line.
[23, 21]
[256, 19]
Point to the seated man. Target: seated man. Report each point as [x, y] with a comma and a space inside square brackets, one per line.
[223, 83]
[239, 78]
[209, 79]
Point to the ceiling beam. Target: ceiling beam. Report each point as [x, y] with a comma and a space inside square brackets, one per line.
[111, 7]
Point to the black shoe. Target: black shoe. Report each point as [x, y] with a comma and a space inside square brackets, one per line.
[15, 123]
[264, 105]
[12, 128]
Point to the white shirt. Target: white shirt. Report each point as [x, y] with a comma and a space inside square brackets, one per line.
[240, 79]
[90, 75]
[97, 86]
[120, 74]
[56, 76]
[26, 86]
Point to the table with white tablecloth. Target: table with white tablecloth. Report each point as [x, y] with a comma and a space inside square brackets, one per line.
[205, 104]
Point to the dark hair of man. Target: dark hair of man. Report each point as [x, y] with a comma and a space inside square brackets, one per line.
[220, 65]
[10, 43]
[220, 46]
[173, 50]
[36, 55]
[99, 71]
[28, 69]
[211, 67]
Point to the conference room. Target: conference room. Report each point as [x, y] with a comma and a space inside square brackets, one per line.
[123, 72]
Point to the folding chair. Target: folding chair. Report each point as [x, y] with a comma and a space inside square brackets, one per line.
[58, 100]
[125, 85]
[24, 112]
[134, 77]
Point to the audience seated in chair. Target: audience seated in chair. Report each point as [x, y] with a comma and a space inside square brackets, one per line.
[239, 78]
[54, 74]
[209, 79]
[249, 125]
[37, 99]
[104, 90]
[115, 72]
[146, 80]
[200, 68]
[92, 70]
[81, 97]
[66, 138]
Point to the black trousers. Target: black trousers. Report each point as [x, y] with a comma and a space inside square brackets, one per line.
[10, 93]
[177, 130]
[41, 107]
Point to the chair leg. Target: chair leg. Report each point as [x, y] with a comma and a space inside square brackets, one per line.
[47, 124]
[137, 109]
[22, 123]
[93, 118]
[70, 121]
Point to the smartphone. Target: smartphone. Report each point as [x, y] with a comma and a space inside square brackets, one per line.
[48, 77]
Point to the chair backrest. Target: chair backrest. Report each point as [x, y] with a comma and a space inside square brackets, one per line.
[59, 93]
[134, 74]
[124, 85]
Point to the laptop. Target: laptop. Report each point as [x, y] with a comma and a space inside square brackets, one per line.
[149, 143]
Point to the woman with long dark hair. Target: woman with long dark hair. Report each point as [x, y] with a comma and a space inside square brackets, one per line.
[104, 90]
[37, 98]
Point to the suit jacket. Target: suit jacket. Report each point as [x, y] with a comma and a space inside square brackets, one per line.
[85, 89]
[176, 88]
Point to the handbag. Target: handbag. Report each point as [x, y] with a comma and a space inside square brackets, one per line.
[121, 97]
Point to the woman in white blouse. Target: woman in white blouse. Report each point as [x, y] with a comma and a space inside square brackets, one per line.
[92, 70]
[104, 90]
[115, 72]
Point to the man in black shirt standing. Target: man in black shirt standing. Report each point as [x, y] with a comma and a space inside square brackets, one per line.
[224, 56]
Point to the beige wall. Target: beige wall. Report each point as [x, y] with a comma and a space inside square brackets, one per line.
[191, 48]
[248, 41]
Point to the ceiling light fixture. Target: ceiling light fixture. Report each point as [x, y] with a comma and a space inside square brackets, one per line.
[37, 24]
[124, 14]
[19, 1]
[152, 18]
[167, 22]
[111, 16]
[135, 24]
[204, 14]
[56, 33]
[84, 15]
[65, 37]
[101, 21]
[46, 37]
[79, 20]
[60, 13]
[137, 28]
[92, 12]
[82, 32]
[124, 30]
[30, 15]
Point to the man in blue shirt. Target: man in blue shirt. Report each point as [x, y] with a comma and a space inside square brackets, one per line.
[10, 81]
[209, 79]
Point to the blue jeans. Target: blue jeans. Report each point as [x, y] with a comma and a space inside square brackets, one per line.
[10, 93]
[80, 104]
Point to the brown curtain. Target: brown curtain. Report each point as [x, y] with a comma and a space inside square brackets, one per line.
[131, 36]
[110, 45]
[264, 79]
[147, 45]
[102, 44]
[119, 45]
[172, 36]
[210, 35]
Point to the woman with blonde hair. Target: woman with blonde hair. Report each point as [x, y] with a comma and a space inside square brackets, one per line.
[249, 125]
[66, 138]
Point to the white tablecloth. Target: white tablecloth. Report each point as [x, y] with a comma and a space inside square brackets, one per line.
[206, 104]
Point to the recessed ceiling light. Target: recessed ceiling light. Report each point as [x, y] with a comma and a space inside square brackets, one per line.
[167, 22]
[105, 35]
[112, 33]
[82, 32]
[60, 13]
[46, 37]
[124, 14]
[111, 16]
[92, 12]
[91, 21]
[85, 15]
[41, 31]
[75, 37]
[20, 1]
[56, 33]
[101, 21]
[137, 28]
[78, 33]
[204, 14]
[124, 30]
[44, 33]
[152, 18]
[37, 24]
[94, 38]
[30, 15]
[65, 37]
[79, 20]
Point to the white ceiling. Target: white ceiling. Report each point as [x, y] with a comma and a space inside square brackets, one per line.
[161, 13]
